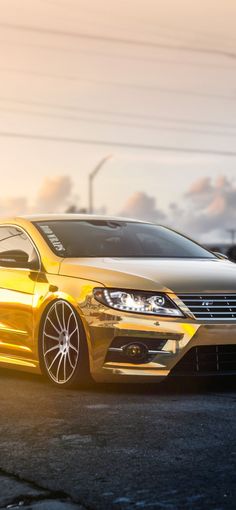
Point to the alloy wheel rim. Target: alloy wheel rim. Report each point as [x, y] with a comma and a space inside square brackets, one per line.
[61, 342]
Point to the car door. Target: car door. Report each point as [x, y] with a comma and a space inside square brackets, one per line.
[17, 283]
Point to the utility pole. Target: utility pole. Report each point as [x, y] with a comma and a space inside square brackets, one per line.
[232, 232]
[92, 176]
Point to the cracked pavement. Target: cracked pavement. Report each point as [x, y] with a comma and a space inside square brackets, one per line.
[170, 446]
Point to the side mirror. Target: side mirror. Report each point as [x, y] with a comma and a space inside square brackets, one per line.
[14, 258]
[220, 255]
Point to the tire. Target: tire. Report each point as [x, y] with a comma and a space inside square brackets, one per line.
[63, 350]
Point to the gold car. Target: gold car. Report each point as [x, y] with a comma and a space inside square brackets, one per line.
[109, 299]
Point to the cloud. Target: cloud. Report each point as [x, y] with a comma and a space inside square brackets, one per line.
[142, 206]
[13, 206]
[207, 210]
[210, 207]
[53, 194]
[216, 206]
[200, 186]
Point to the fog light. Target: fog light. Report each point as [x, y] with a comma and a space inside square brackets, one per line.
[136, 352]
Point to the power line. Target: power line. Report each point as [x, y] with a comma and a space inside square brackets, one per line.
[192, 31]
[107, 143]
[170, 29]
[118, 123]
[121, 57]
[109, 113]
[164, 90]
[168, 33]
[88, 20]
[116, 40]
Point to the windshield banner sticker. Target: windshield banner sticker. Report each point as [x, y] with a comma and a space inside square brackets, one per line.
[52, 238]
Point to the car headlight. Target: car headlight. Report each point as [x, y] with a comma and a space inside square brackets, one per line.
[137, 301]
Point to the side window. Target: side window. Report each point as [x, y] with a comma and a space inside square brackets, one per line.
[12, 238]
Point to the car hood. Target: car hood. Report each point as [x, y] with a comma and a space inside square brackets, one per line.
[163, 275]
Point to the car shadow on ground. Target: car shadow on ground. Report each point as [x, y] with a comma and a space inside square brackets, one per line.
[171, 386]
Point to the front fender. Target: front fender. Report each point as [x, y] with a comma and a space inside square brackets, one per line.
[49, 288]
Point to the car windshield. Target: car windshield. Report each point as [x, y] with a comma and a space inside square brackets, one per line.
[104, 238]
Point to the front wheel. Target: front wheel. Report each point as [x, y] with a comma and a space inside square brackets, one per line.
[63, 350]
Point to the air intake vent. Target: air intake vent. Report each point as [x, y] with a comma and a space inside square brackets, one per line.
[207, 359]
[211, 307]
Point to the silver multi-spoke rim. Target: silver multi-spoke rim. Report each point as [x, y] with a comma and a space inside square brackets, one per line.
[61, 342]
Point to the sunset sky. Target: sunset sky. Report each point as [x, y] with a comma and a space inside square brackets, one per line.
[137, 75]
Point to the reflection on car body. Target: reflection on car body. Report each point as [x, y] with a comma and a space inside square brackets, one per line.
[112, 299]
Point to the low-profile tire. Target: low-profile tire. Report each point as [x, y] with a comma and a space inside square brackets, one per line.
[63, 350]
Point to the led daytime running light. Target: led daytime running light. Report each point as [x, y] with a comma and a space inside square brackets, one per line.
[138, 302]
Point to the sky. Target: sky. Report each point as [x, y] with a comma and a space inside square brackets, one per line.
[151, 83]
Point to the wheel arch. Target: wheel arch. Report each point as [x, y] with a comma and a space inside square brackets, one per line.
[42, 312]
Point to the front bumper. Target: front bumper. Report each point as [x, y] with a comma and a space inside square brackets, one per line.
[105, 325]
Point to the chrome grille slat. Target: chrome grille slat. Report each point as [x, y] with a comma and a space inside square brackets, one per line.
[211, 306]
[216, 300]
[221, 296]
[215, 306]
[216, 313]
[217, 318]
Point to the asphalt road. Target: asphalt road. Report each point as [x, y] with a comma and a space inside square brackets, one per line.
[117, 447]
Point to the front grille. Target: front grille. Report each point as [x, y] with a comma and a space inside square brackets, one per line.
[207, 359]
[211, 306]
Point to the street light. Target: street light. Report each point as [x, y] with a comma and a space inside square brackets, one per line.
[92, 175]
[232, 232]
